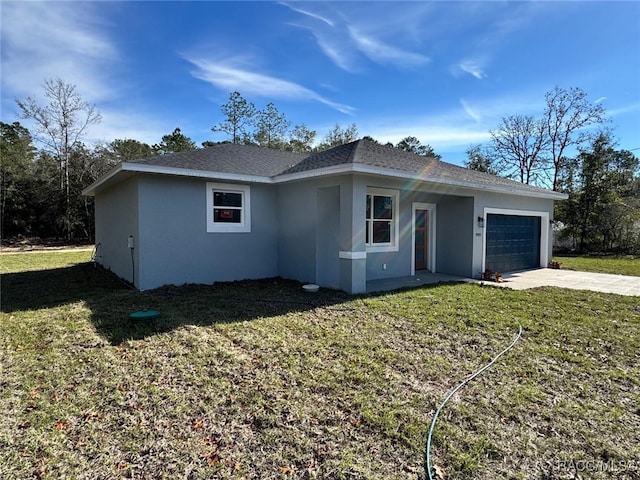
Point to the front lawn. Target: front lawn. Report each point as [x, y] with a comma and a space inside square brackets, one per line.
[618, 265]
[260, 380]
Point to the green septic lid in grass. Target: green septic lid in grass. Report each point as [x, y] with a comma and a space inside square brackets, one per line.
[145, 315]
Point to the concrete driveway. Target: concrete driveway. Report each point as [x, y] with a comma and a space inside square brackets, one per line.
[598, 282]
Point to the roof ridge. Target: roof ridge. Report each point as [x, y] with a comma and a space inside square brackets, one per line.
[244, 161]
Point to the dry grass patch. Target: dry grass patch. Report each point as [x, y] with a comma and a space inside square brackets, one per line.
[261, 380]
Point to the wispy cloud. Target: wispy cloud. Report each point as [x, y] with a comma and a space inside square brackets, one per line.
[474, 68]
[133, 124]
[381, 52]
[453, 129]
[473, 114]
[601, 99]
[632, 107]
[500, 21]
[307, 13]
[228, 75]
[334, 45]
[342, 57]
[69, 40]
[449, 129]
[41, 40]
[347, 38]
[439, 136]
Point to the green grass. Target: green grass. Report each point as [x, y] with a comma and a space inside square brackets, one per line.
[22, 262]
[261, 380]
[619, 265]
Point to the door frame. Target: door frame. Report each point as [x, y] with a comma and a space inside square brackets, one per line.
[544, 231]
[431, 235]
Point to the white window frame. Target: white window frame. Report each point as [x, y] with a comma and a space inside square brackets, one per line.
[392, 246]
[245, 216]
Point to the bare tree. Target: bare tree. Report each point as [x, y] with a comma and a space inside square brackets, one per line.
[519, 144]
[60, 124]
[567, 114]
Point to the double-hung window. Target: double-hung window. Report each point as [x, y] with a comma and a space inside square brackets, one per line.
[381, 225]
[228, 208]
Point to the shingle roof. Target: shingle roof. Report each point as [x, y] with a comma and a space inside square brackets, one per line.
[229, 158]
[372, 154]
[361, 155]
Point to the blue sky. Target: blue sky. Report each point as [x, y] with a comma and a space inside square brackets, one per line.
[444, 72]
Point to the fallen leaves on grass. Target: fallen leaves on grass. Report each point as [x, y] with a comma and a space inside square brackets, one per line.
[440, 475]
[197, 424]
[231, 387]
[212, 456]
[288, 470]
[60, 425]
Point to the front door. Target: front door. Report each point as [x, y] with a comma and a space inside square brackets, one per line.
[421, 239]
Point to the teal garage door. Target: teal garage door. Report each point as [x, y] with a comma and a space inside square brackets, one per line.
[513, 242]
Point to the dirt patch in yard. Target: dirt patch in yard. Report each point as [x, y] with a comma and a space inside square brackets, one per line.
[36, 244]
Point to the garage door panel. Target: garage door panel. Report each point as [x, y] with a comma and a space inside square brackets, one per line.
[512, 242]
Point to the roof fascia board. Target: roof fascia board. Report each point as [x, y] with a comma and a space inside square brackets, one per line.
[183, 172]
[188, 172]
[91, 189]
[387, 172]
[316, 172]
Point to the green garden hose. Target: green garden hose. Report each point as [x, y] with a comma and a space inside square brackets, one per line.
[427, 458]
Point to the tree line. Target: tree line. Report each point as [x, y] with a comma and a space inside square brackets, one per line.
[41, 187]
[570, 148]
[246, 125]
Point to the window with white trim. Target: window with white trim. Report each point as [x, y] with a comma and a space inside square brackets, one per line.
[381, 224]
[228, 208]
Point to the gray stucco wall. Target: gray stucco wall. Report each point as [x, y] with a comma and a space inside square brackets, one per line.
[353, 206]
[298, 231]
[297, 214]
[175, 247]
[116, 212]
[497, 200]
[314, 224]
[318, 219]
[328, 237]
[307, 211]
